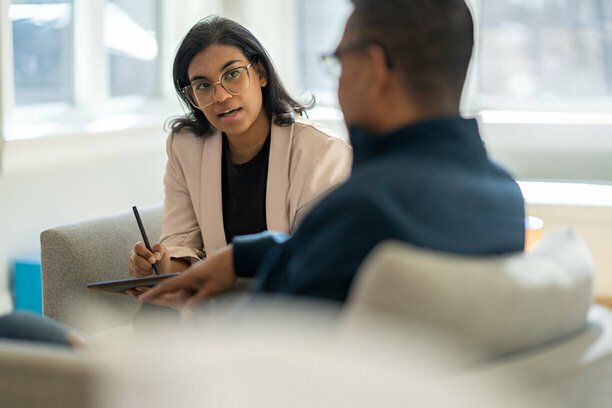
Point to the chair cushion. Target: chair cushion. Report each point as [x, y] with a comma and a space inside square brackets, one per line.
[502, 303]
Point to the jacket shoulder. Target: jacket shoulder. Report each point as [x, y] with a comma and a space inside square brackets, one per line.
[183, 140]
[187, 147]
[312, 134]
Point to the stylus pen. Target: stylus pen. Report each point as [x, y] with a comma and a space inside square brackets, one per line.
[144, 235]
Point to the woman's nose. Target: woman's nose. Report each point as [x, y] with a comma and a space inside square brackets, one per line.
[220, 94]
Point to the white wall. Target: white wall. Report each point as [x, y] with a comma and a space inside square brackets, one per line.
[540, 146]
[70, 179]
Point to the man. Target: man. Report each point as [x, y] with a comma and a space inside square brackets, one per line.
[420, 172]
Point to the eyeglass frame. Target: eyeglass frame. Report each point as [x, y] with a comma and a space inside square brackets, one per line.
[185, 92]
[355, 46]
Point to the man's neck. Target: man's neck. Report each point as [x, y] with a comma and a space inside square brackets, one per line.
[402, 113]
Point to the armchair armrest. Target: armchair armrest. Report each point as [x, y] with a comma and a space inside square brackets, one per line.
[96, 250]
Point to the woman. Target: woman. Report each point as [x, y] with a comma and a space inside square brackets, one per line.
[242, 160]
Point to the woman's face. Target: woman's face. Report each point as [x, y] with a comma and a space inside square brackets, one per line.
[229, 113]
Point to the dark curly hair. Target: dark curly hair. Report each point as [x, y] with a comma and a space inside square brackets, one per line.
[219, 30]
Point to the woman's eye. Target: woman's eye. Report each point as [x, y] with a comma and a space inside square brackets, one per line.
[233, 74]
[202, 86]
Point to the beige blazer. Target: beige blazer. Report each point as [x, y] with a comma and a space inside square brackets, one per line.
[306, 162]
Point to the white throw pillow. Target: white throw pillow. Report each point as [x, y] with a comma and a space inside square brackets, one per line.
[500, 303]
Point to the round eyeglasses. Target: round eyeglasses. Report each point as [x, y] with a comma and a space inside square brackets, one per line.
[201, 93]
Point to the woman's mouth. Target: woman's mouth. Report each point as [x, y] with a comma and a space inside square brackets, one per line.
[229, 114]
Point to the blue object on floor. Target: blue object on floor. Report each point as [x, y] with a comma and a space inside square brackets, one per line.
[27, 284]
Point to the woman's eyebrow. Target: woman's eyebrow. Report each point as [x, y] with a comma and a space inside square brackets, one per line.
[227, 64]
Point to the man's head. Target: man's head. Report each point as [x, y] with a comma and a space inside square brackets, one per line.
[403, 60]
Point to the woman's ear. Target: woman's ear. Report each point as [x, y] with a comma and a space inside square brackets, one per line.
[263, 76]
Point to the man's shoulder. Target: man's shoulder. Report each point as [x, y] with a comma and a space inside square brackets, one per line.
[354, 197]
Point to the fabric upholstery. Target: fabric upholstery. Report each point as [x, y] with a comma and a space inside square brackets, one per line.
[35, 375]
[503, 303]
[96, 250]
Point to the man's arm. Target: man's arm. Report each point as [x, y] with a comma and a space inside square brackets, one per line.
[250, 250]
[217, 273]
[323, 256]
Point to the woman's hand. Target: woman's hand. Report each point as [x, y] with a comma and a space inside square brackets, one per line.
[141, 264]
[142, 260]
[201, 281]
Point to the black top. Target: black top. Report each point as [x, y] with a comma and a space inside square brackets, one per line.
[244, 192]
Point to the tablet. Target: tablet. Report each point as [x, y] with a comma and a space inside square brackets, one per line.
[122, 285]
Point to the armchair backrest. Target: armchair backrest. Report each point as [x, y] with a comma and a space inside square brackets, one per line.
[502, 304]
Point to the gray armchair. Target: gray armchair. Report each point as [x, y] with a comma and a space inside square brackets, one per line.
[97, 250]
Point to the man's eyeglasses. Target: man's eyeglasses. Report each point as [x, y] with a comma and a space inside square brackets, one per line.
[332, 60]
[201, 93]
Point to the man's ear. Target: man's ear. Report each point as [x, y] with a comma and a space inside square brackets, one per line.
[381, 75]
[263, 76]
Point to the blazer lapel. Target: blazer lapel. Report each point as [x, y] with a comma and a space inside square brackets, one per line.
[213, 232]
[277, 211]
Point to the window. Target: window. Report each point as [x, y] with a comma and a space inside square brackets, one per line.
[42, 51]
[130, 38]
[95, 72]
[320, 28]
[107, 77]
[540, 83]
[544, 54]
[532, 54]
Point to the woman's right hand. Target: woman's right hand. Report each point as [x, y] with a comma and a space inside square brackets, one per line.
[142, 260]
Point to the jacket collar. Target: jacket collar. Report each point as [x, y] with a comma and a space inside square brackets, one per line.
[277, 214]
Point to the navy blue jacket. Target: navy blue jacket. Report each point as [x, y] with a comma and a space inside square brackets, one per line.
[430, 184]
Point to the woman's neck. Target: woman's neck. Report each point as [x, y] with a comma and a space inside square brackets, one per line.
[245, 146]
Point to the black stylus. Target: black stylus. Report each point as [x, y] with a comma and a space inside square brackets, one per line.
[144, 235]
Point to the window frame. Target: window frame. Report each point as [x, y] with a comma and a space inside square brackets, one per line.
[527, 139]
[98, 119]
[477, 101]
[91, 99]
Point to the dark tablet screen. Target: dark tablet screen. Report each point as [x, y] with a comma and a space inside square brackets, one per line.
[122, 285]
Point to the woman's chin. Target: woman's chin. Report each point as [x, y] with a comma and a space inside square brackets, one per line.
[232, 128]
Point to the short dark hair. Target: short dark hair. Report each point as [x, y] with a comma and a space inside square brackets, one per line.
[429, 42]
[219, 30]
